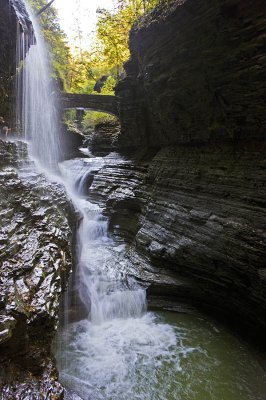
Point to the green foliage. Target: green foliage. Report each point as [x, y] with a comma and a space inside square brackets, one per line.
[92, 118]
[113, 31]
[56, 39]
[78, 73]
[110, 50]
[109, 85]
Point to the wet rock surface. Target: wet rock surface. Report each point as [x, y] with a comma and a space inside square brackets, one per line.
[7, 62]
[194, 220]
[104, 138]
[35, 261]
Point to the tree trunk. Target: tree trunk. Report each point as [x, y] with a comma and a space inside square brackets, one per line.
[45, 7]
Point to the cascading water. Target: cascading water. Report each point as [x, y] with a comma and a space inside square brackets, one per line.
[103, 291]
[37, 108]
[114, 349]
[100, 355]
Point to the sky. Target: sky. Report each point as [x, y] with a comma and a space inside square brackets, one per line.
[80, 15]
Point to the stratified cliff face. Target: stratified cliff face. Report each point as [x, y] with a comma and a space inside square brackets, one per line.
[193, 205]
[13, 17]
[197, 73]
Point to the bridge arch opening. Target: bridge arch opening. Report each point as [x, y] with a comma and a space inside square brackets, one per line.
[96, 131]
[86, 120]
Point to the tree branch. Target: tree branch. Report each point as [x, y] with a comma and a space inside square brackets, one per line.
[45, 7]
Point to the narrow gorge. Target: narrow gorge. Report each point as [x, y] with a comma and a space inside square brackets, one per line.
[136, 268]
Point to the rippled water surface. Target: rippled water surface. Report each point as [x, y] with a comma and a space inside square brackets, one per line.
[158, 356]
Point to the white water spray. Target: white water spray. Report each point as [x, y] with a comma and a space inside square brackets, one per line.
[37, 108]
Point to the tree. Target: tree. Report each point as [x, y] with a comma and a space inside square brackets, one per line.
[58, 49]
[79, 72]
[45, 7]
[113, 30]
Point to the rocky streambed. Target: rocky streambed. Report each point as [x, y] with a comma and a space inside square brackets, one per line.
[35, 261]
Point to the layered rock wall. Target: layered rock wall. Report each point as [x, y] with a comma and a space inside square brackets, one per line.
[193, 204]
[194, 220]
[8, 25]
[197, 74]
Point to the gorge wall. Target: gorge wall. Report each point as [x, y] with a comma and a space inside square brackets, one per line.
[196, 74]
[190, 199]
[8, 24]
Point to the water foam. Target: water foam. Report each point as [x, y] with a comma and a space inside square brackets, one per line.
[118, 357]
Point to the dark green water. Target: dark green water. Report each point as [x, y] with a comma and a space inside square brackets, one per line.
[159, 356]
[221, 367]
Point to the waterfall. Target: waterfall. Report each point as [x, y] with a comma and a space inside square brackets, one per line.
[105, 294]
[101, 352]
[37, 108]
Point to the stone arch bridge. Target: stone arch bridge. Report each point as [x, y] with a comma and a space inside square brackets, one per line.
[104, 103]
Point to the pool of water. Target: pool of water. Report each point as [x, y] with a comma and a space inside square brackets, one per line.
[159, 356]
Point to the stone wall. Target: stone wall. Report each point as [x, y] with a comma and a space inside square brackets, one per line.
[8, 25]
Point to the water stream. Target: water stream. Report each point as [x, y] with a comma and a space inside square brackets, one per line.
[115, 349]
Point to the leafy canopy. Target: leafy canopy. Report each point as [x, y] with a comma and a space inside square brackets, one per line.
[79, 72]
